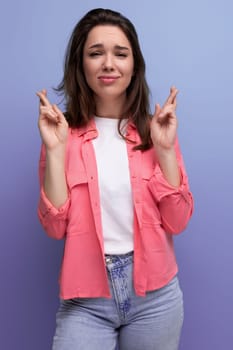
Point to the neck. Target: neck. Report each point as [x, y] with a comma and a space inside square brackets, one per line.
[110, 108]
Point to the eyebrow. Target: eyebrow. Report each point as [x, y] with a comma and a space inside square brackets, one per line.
[118, 47]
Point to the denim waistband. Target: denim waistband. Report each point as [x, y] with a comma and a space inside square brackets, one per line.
[119, 258]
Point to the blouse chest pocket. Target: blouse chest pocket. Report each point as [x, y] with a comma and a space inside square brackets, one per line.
[80, 207]
[148, 164]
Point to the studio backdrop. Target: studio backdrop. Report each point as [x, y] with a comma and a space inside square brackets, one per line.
[185, 43]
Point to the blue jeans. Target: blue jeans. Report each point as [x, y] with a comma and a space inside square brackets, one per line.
[124, 322]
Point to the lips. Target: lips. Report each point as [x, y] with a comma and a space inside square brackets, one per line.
[108, 79]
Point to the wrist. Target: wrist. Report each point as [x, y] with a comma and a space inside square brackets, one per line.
[169, 166]
[57, 153]
[165, 153]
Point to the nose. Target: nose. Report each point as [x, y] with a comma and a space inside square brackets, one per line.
[108, 63]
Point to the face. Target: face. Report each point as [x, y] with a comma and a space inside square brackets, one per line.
[108, 62]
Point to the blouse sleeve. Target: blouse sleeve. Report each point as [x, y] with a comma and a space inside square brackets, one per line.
[53, 220]
[175, 203]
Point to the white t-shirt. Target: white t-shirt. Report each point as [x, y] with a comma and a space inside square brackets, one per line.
[115, 188]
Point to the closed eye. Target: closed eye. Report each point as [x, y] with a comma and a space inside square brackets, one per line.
[96, 53]
[120, 54]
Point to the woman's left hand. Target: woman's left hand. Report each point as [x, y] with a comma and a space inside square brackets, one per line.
[164, 123]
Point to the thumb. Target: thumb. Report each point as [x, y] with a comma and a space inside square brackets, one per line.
[157, 110]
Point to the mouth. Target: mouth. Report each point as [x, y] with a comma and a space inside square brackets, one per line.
[107, 79]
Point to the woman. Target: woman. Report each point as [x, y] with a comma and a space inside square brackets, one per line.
[113, 185]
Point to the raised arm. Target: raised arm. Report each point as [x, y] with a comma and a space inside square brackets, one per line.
[163, 135]
[54, 201]
[169, 185]
[54, 131]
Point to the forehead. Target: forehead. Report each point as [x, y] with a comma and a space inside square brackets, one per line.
[107, 34]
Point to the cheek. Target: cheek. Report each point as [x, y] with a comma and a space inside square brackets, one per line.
[89, 69]
[128, 69]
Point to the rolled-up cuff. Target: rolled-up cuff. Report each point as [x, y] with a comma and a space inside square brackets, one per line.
[161, 188]
[45, 207]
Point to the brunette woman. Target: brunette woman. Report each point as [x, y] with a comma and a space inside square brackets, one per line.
[114, 187]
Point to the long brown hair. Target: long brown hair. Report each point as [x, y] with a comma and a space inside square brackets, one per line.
[80, 104]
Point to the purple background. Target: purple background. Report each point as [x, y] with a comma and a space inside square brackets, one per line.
[187, 43]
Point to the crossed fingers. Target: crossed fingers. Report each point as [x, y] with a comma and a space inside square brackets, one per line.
[163, 113]
[46, 108]
[171, 100]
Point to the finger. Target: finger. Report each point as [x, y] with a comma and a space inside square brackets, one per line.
[48, 113]
[167, 110]
[175, 102]
[57, 110]
[157, 110]
[44, 92]
[162, 114]
[171, 98]
[60, 116]
[43, 98]
[166, 114]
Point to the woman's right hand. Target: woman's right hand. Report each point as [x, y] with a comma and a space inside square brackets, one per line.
[52, 123]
